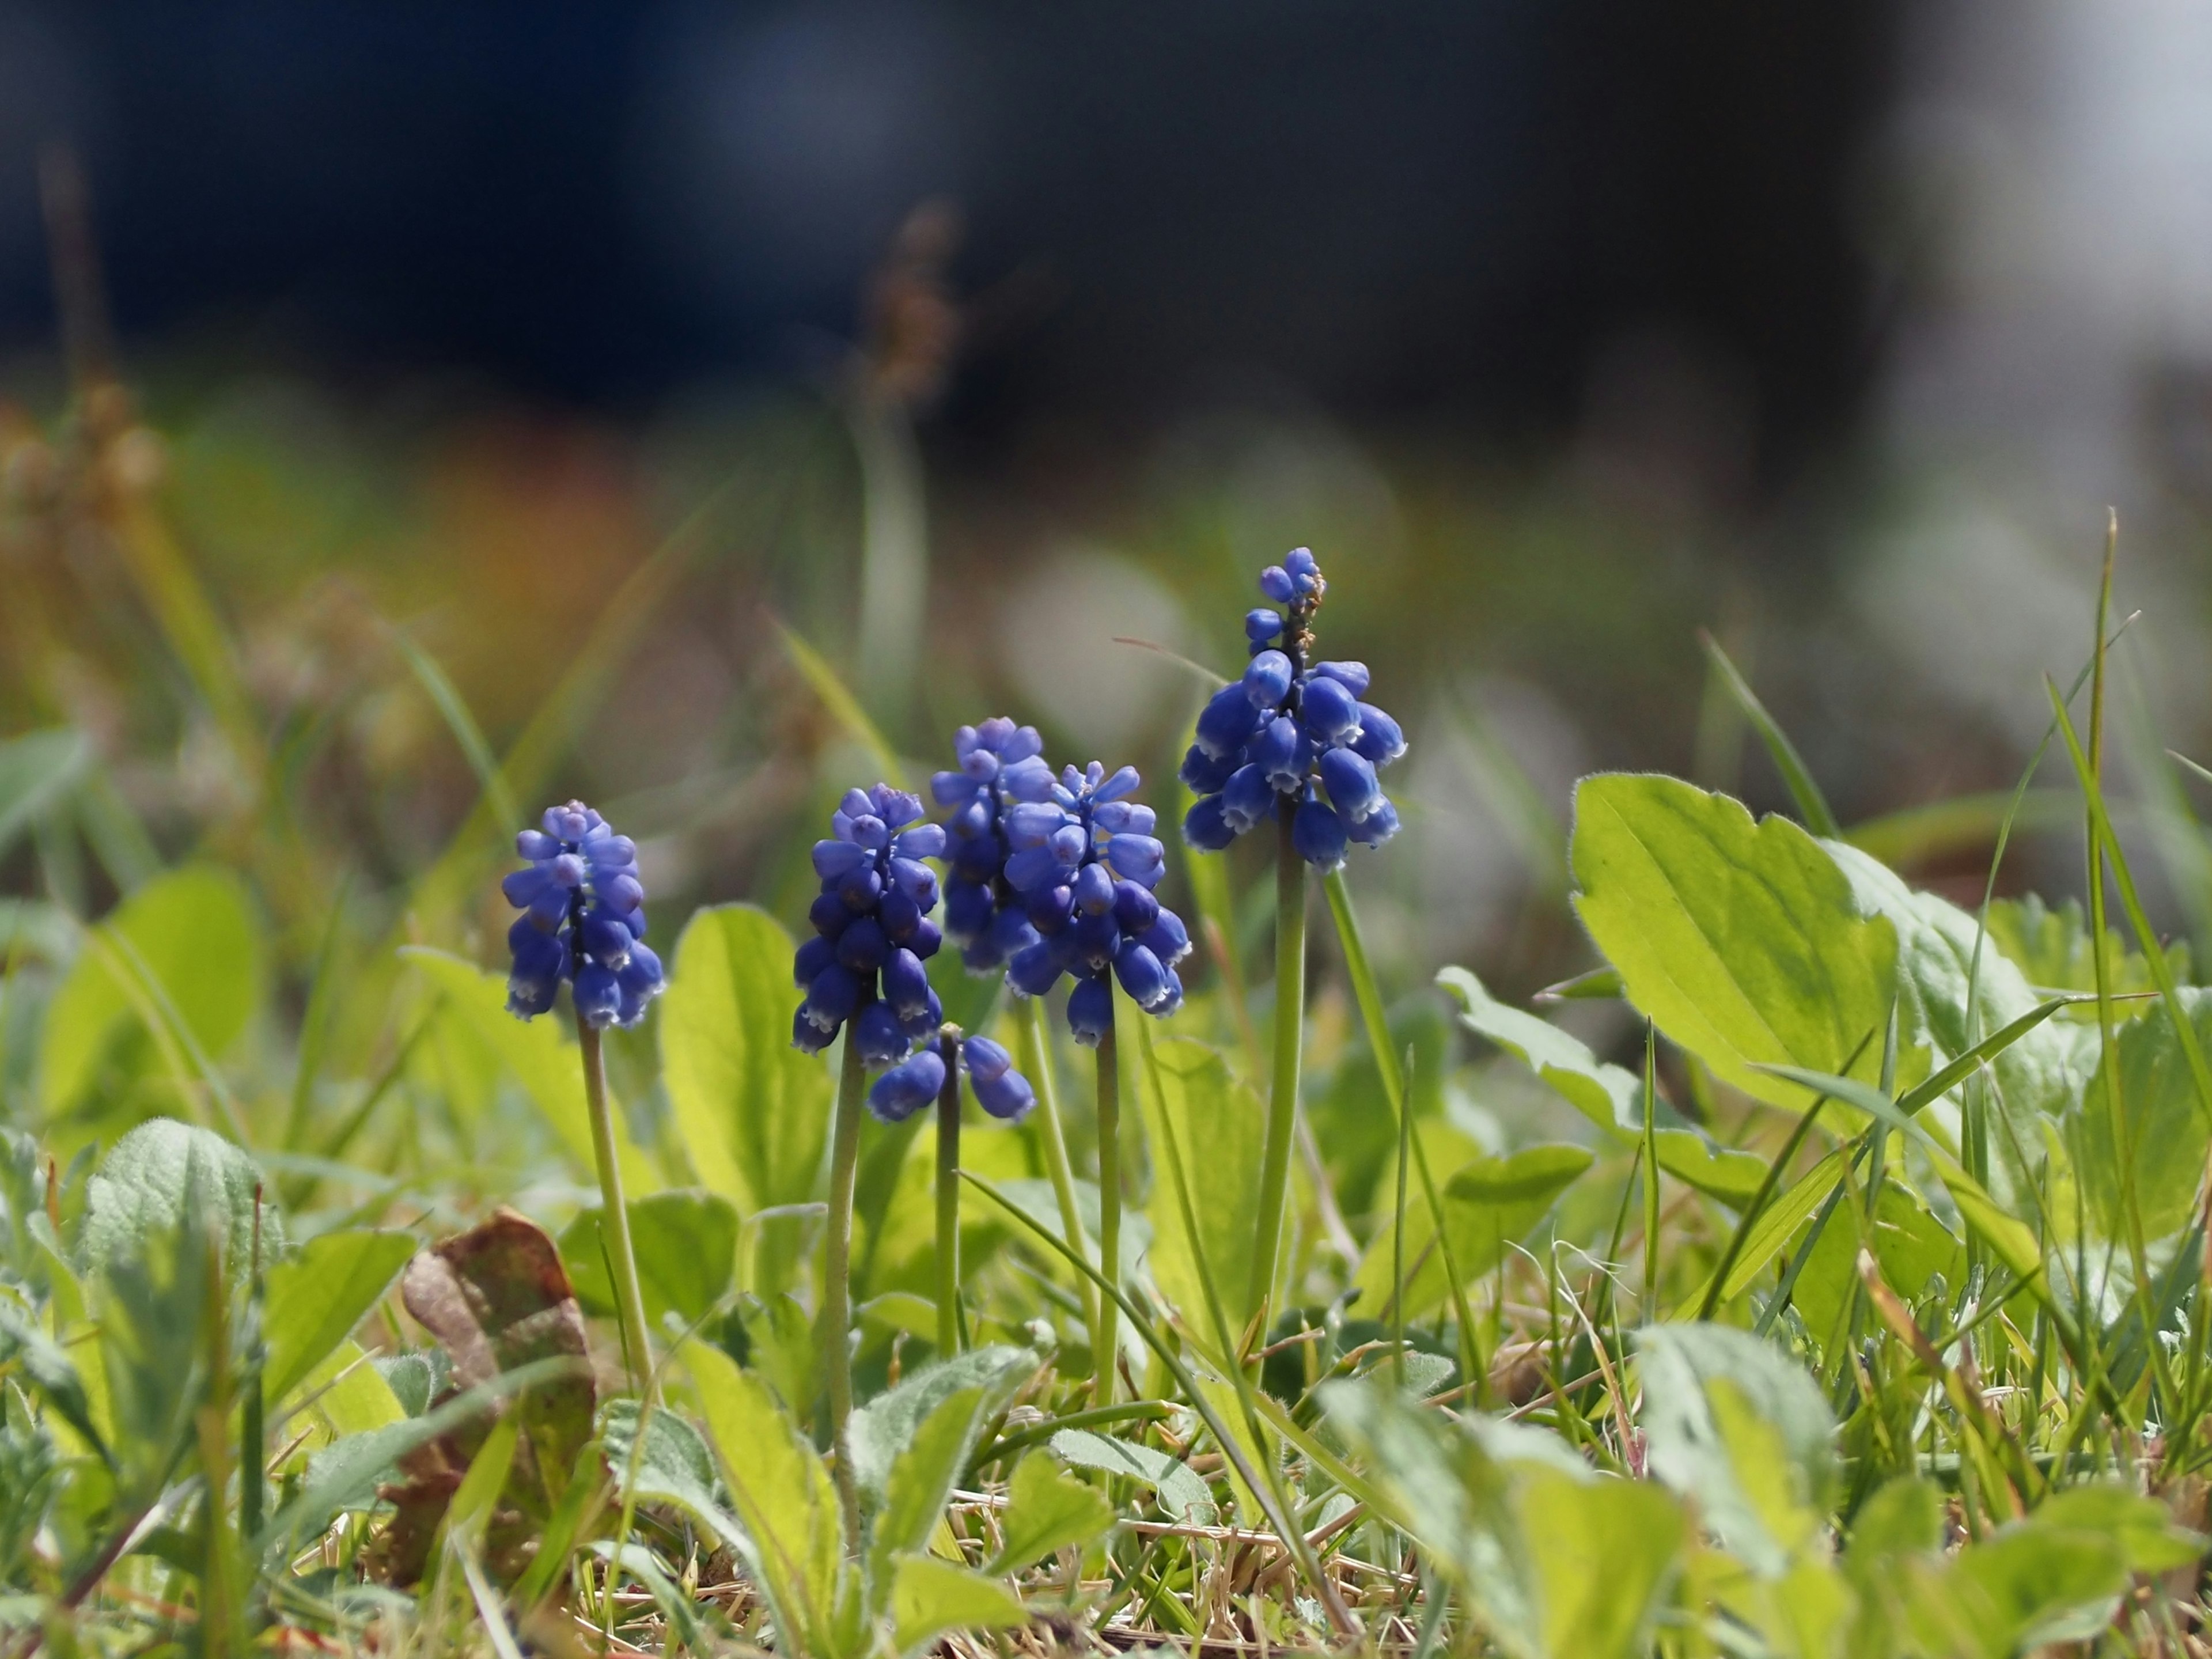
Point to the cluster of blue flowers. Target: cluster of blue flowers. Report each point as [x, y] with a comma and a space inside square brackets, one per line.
[872, 929]
[583, 921]
[1288, 732]
[1001, 1090]
[1083, 859]
[996, 761]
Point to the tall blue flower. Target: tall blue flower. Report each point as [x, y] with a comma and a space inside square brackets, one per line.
[583, 921]
[1001, 1090]
[872, 929]
[1083, 859]
[982, 914]
[1293, 730]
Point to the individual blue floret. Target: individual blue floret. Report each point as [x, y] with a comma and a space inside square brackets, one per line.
[1292, 736]
[583, 921]
[1086, 861]
[908, 1087]
[978, 911]
[871, 930]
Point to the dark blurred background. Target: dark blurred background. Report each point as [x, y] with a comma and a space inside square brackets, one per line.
[1559, 330]
[1426, 212]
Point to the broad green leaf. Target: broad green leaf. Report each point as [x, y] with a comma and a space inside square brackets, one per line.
[754, 1111]
[1736, 1425]
[920, 1483]
[1046, 1510]
[1777, 1224]
[1181, 1492]
[2013, 1590]
[1490, 1204]
[1604, 1551]
[2164, 1123]
[881, 1431]
[1611, 1097]
[142, 1190]
[781, 1493]
[2143, 1528]
[1552, 1560]
[36, 769]
[543, 1060]
[686, 1244]
[1905, 1518]
[930, 1597]
[673, 1466]
[1742, 941]
[1220, 1126]
[189, 946]
[316, 1299]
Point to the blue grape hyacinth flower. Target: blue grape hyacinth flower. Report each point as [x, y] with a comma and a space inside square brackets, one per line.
[583, 921]
[871, 930]
[908, 1087]
[1083, 857]
[982, 914]
[1293, 730]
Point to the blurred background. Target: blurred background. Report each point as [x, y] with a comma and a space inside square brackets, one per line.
[391, 387]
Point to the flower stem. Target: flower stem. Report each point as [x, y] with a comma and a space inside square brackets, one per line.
[836, 1314]
[948, 1200]
[1036, 1066]
[1283, 1098]
[1109, 1211]
[614, 1216]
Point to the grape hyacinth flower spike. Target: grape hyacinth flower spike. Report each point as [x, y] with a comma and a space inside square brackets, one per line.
[1082, 856]
[583, 921]
[1290, 740]
[871, 930]
[982, 914]
[862, 973]
[1293, 730]
[934, 1075]
[1084, 860]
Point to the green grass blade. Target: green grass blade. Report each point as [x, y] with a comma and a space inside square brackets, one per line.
[455, 709]
[1812, 804]
[1369, 994]
[2161, 971]
[844, 708]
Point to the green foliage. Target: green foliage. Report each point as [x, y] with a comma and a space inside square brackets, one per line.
[1220, 1125]
[1734, 1425]
[686, 1244]
[1742, 941]
[316, 1299]
[754, 1112]
[144, 972]
[1490, 1204]
[1609, 1096]
[164, 1176]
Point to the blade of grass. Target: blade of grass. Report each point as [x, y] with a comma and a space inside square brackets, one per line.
[1369, 994]
[1766, 1190]
[844, 708]
[453, 708]
[1812, 804]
